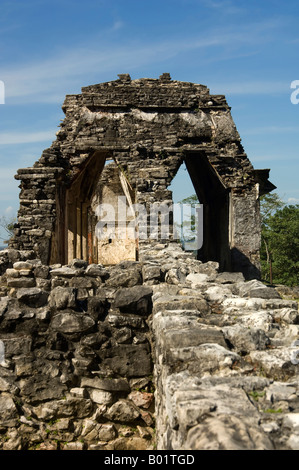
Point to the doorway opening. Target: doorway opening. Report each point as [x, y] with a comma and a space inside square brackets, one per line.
[100, 193]
[185, 217]
[80, 219]
[197, 181]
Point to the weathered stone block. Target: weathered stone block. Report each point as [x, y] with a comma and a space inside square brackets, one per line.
[142, 399]
[42, 388]
[15, 344]
[256, 289]
[228, 433]
[123, 335]
[122, 411]
[125, 277]
[22, 282]
[42, 272]
[109, 385]
[62, 298]
[69, 322]
[244, 340]
[79, 392]
[229, 278]
[96, 270]
[127, 360]
[101, 397]
[12, 273]
[152, 273]
[83, 283]
[33, 297]
[79, 263]
[122, 320]
[107, 432]
[23, 265]
[4, 303]
[135, 299]
[64, 271]
[8, 411]
[183, 302]
[56, 409]
[191, 337]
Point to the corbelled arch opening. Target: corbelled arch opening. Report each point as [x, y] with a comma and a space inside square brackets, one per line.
[204, 181]
[99, 191]
[150, 125]
[214, 197]
[74, 224]
[112, 203]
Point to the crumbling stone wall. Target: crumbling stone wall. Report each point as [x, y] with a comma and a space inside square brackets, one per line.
[76, 370]
[147, 128]
[86, 344]
[165, 353]
[225, 359]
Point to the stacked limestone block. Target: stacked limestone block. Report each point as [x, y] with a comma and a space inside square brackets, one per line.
[163, 353]
[149, 127]
[226, 359]
[77, 367]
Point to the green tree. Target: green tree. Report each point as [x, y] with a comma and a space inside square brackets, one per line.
[8, 227]
[270, 203]
[284, 225]
[185, 229]
[280, 241]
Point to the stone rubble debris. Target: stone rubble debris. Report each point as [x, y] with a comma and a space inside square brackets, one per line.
[175, 362]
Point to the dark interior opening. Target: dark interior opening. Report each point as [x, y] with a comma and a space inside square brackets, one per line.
[75, 220]
[212, 193]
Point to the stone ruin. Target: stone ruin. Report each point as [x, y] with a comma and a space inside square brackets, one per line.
[129, 138]
[136, 344]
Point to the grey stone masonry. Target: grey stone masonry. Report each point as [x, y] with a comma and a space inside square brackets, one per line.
[143, 130]
[165, 353]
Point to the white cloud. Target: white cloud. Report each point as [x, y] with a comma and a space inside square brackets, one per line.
[9, 210]
[46, 80]
[225, 6]
[6, 173]
[8, 189]
[118, 25]
[265, 158]
[254, 87]
[293, 200]
[270, 130]
[10, 138]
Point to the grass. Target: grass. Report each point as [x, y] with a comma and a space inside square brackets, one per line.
[272, 410]
[256, 395]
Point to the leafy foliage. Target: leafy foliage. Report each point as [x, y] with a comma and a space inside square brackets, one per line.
[8, 226]
[187, 226]
[280, 241]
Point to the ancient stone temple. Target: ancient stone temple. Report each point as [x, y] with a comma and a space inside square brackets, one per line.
[130, 341]
[126, 140]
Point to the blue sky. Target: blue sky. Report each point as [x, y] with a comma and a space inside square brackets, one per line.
[245, 50]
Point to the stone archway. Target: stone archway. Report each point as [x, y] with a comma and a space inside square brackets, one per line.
[73, 234]
[214, 197]
[99, 184]
[149, 126]
[114, 236]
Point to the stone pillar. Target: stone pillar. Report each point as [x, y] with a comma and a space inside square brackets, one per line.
[37, 213]
[245, 231]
